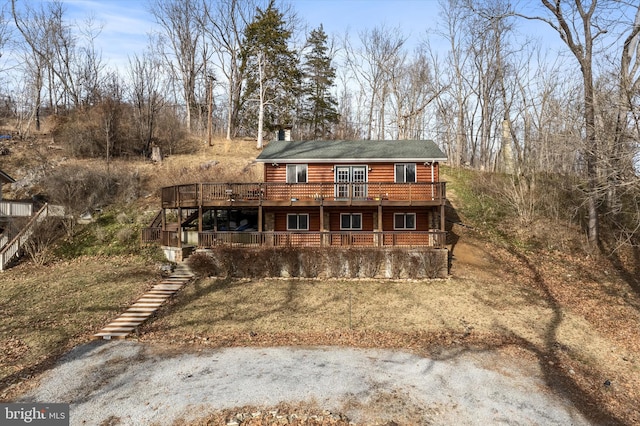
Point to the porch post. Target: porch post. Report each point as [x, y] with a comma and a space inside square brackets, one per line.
[260, 219]
[442, 218]
[179, 227]
[321, 224]
[380, 236]
[199, 219]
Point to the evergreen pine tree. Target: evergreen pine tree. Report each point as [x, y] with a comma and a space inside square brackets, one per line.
[273, 77]
[320, 107]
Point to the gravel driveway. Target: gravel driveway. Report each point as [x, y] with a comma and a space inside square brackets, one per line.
[137, 384]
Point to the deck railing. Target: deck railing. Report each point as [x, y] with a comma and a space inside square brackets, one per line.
[151, 235]
[12, 248]
[201, 193]
[323, 239]
[16, 208]
[209, 239]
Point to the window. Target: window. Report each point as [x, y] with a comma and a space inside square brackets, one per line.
[351, 221]
[298, 222]
[296, 173]
[405, 172]
[404, 221]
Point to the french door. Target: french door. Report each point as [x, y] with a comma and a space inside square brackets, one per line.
[351, 181]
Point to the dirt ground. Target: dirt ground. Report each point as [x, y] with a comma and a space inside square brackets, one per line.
[132, 383]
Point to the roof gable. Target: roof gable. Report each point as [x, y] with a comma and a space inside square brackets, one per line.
[348, 151]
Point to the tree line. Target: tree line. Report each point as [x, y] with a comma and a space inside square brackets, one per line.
[490, 94]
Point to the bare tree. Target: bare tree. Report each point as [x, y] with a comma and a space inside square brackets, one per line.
[619, 134]
[183, 33]
[370, 63]
[5, 31]
[40, 245]
[111, 112]
[224, 22]
[579, 24]
[452, 109]
[413, 88]
[146, 95]
[70, 69]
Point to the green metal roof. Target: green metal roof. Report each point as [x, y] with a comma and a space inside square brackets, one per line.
[348, 151]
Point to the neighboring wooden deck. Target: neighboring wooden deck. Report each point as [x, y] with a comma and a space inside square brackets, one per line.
[303, 194]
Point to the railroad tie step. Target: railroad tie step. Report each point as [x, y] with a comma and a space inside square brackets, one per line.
[146, 305]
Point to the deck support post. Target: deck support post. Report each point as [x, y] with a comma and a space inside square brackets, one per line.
[442, 221]
[179, 227]
[260, 219]
[200, 218]
[321, 224]
[380, 241]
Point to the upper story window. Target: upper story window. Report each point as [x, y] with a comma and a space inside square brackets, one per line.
[296, 173]
[405, 172]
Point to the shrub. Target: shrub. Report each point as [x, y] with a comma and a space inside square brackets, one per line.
[371, 267]
[39, 246]
[82, 189]
[354, 258]
[310, 262]
[203, 264]
[398, 260]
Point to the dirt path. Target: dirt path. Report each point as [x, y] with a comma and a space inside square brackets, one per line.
[131, 383]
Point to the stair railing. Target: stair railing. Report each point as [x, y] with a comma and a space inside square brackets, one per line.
[13, 248]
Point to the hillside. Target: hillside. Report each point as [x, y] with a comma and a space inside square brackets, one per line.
[527, 289]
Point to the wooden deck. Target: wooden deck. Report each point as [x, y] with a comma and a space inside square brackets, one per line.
[304, 194]
[209, 239]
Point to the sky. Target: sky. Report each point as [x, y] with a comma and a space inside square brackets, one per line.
[127, 23]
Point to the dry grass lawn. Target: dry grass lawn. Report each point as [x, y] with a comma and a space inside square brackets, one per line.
[45, 311]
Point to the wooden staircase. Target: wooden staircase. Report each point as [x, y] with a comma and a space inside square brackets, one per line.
[146, 305]
[13, 244]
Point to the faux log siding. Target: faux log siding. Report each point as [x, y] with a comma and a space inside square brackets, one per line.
[281, 218]
[321, 172]
[315, 173]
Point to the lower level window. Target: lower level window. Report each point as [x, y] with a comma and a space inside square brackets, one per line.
[350, 220]
[298, 222]
[404, 221]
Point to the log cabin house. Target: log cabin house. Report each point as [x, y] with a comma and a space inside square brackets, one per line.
[316, 193]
